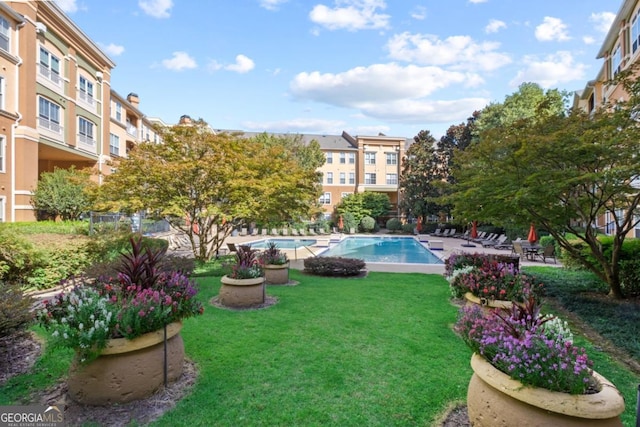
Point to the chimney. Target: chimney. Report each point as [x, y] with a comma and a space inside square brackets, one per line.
[133, 99]
[185, 120]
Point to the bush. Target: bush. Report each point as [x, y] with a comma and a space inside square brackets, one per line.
[394, 224]
[462, 260]
[333, 266]
[15, 309]
[18, 257]
[169, 262]
[408, 228]
[630, 277]
[107, 247]
[367, 223]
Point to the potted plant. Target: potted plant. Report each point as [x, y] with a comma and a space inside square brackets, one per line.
[121, 328]
[275, 265]
[527, 371]
[492, 283]
[243, 286]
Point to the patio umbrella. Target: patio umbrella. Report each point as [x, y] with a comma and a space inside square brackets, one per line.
[533, 236]
[340, 223]
[474, 230]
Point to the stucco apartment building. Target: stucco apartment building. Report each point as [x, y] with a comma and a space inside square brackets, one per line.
[57, 107]
[619, 51]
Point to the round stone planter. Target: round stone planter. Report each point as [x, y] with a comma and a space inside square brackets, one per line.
[495, 399]
[487, 304]
[238, 293]
[128, 370]
[276, 274]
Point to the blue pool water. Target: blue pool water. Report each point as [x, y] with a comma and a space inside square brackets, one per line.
[384, 249]
[283, 243]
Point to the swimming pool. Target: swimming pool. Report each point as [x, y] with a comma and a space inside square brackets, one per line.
[283, 243]
[384, 249]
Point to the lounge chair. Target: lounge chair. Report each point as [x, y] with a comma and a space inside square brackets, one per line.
[302, 232]
[254, 231]
[518, 250]
[494, 242]
[274, 232]
[438, 232]
[285, 231]
[264, 232]
[232, 247]
[312, 232]
[294, 232]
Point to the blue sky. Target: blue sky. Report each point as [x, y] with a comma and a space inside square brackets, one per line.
[327, 66]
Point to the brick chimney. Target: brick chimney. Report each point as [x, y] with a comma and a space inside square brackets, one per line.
[133, 99]
[185, 120]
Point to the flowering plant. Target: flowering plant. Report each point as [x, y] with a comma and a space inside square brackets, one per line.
[534, 349]
[272, 255]
[495, 280]
[141, 299]
[246, 265]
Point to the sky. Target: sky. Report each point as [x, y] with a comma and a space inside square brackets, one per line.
[327, 66]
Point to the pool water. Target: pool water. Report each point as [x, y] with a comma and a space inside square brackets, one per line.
[384, 249]
[283, 243]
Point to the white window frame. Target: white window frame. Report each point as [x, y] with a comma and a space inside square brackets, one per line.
[5, 34]
[369, 158]
[635, 32]
[46, 68]
[616, 61]
[85, 90]
[325, 199]
[370, 178]
[118, 111]
[345, 194]
[343, 158]
[3, 154]
[392, 179]
[45, 118]
[3, 208]
[114, 144]
[3, 91]
[343, 178]
[352, 158]
[329, 157]
[86, 131]
[329, 177]
[352, 177]
[392, 158]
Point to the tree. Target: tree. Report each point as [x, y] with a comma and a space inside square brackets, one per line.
[368, 203]
[64, 193]
[562, 172]
[207, 184]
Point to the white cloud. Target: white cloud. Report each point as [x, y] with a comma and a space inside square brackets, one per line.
[550, 71]
[271, 4]
[364, 87]
[552, 29]
[603, 21]
[298, 125]
[156, 8]
[180, 61]
[426, 111]
[68, 6]
[242, 65]
[588, 40]
[112, 49]
[494, 26]
[457, 52]
[419, 13]
[477, 1]
[351, 15]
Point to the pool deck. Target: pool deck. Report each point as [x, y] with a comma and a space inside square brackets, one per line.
[450, 245]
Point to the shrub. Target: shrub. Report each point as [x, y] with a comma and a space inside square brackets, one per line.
[408, 228]
[367, 223]
[106, 247]
[394, 224]
[333, 266]
[630, 277]
[169, 262]
[245, 264]
[15, 309]
[458, 261]
[272, 255]
[18, 256]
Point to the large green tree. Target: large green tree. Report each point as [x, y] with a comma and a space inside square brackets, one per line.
[63, 193]
[368, 203]
[562, 172]
[206, 184]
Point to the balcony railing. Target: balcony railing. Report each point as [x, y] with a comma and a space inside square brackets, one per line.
[85, 97]
[86, 143]
[132, 130]
[54, 77]
[46, 123]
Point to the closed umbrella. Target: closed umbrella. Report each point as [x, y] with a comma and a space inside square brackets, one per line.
[340, 223]
[533, 236]
[474, 230]
[419, 224]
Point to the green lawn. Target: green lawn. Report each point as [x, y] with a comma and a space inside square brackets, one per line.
[375, 351]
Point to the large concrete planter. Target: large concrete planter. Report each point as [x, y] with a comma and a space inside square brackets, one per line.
[495, 399]
[276, 274]
[239, 293]
[128, 370]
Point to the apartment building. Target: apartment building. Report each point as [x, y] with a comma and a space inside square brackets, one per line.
[619, 51]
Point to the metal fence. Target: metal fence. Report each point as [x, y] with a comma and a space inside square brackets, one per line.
[100, 222]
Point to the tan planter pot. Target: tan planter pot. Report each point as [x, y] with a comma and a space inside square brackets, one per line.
[240, 293]
[128, 370]
[487, 304]
[276, 274]
[494, 399]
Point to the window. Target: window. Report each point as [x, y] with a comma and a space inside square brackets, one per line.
[114, 144]
[343, 178]
[345, 194]
[50, 66]
[325, 199]
[3, 153]
[616, 61]
[343, 158]
[118, 112]
[3, 206]
[49, 115]
[86, 90]
[2, 92]
[392, 158]
[352, 177]
[352, 158]
[369, 178]
[329, 157]
[329, 177]
[369, 158]
[635, 32]
[392, 179]
[85, 131]
[5, 35]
